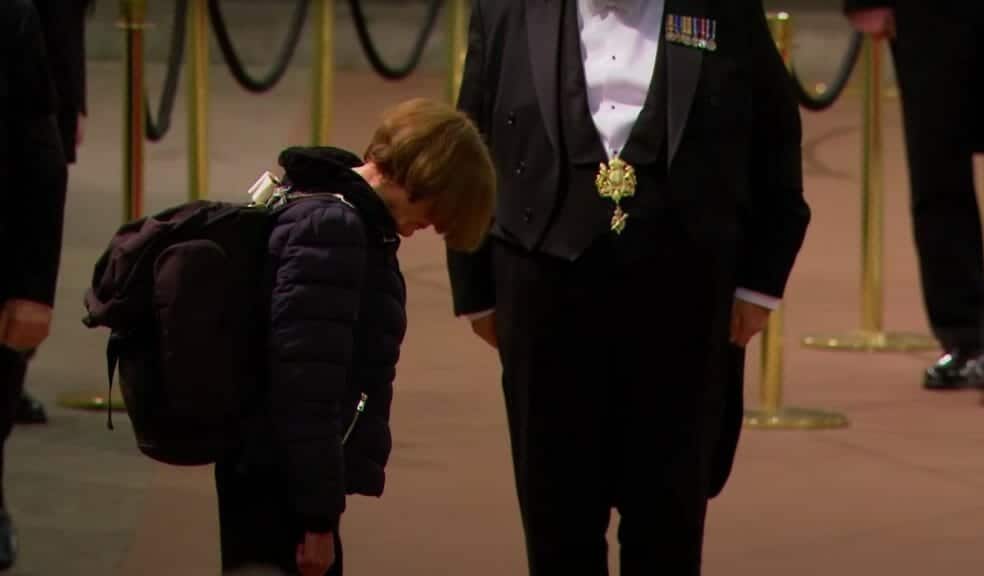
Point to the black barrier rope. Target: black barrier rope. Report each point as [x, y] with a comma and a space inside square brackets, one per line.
[157, 129]
[283, 59]
[383, 69]
[823, 101]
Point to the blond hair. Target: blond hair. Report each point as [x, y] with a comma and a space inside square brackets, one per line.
[436, 153]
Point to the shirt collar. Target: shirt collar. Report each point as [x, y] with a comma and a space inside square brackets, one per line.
[602, 7]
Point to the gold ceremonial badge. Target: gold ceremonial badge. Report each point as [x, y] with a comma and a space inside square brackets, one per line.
[616, 180]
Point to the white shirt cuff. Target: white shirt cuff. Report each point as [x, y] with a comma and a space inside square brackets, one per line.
[478, 315]
[763, 300]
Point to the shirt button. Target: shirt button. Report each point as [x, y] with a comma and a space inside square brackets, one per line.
[511, 119]
[520, 168]
[528, 215]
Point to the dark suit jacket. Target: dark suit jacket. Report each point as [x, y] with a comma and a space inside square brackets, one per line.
[510, 80]
[732, 190]
[63, 22]
[32, 166]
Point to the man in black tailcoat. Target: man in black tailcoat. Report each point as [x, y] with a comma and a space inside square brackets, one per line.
[32, 190]
[649, 215]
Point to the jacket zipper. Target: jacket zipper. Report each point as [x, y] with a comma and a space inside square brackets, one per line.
[359, 409]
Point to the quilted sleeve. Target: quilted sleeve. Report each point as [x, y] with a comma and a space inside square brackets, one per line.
[314, 307]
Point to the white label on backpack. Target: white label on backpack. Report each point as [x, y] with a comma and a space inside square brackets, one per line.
[263, 189]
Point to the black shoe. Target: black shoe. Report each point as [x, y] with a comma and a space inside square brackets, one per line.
[30, 410]
[955, 371]
[8, 541]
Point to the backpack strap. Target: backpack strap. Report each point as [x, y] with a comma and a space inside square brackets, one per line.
[112, 360]
[290, 196]
[296, 197]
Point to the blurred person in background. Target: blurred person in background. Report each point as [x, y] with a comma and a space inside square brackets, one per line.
[32, 185]
[63, 27]
[938, 49]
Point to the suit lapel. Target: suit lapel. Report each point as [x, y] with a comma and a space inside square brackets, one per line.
[683, 73]
[648, 135]
[543, 20]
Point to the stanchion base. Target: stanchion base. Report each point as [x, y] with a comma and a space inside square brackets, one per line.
[865, 341]
[794, 419]
[89, 400]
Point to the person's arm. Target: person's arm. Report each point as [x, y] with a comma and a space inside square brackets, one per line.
[38, 196]
[39, 167]
[472, 285]
[83, 77]
[79, 69]
[314, 307]
[40, 162]
[773, 216]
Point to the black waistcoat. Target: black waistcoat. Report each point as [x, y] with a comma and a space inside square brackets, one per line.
[581, 216]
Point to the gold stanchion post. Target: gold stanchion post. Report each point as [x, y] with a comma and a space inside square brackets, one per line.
[871, 336]
[197, 99]
[781, 27]
[322, 93]
[772, 414]
[132, 22]
[457, 45]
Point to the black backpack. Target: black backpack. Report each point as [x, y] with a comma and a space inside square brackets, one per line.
[185, 296]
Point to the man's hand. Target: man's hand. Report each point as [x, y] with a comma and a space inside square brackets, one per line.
[879, 22]
[747, 320]
[24, 324]
[485, 328]
[316, 554]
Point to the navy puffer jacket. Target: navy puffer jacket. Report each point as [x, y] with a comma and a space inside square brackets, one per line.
[337, 321]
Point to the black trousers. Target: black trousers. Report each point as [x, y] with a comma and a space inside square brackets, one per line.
[13, 366]
[592, 425]
[939, 57]
[255, 524]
